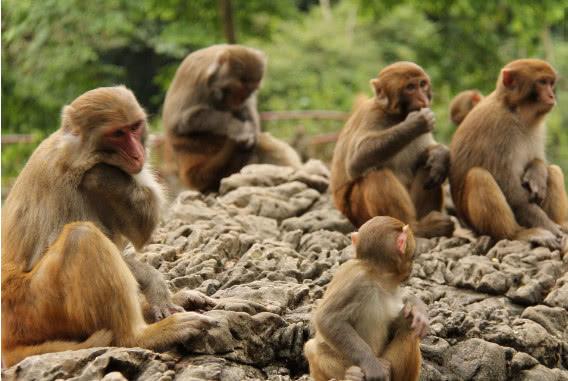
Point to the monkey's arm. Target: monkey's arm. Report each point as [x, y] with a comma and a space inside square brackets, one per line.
[376, 147]
[122, 204]
[153, 286]
[436, 159]
[535, 180]
[238, 126]
[333, 322]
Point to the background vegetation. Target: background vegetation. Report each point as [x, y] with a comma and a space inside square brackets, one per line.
[321, 53]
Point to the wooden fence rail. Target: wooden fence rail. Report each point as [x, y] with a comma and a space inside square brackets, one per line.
[267, 116]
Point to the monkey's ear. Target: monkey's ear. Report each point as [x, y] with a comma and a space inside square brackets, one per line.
[66, 120]
[376, 86]
[475, 98]
[508, 77]
[380, 93]
[221, 61]
[401, 240]
[355, 238]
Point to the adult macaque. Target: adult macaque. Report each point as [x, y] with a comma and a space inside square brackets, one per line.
[462, 104]
[85, 192]
[211, 120]
[362, 321]
[501, 183]
[386, 161]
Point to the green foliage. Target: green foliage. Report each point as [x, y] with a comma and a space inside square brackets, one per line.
[54, 50]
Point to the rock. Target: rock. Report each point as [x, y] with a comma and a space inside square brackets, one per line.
[259, 255]
[93, 364]
[476, 359]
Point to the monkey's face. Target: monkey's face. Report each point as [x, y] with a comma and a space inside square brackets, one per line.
[237, 92]
[528, 84]
[123, 146]
[543, 93]
[415, 94]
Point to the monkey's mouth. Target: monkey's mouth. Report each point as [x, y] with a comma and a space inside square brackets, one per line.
[132, 164]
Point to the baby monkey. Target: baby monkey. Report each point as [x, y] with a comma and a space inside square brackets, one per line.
[365, 330]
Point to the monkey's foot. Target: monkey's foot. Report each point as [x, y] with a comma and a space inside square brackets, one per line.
[542, 237]
[435, 224]
[354, 373]
[482, 245]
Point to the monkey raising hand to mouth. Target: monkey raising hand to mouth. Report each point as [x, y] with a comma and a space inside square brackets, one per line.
[362, 328]
[386, 161]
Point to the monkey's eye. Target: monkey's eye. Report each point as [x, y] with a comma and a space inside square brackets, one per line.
[118, 133]
[423, 83]
[411, 87]
[136, 126]
[543, 82]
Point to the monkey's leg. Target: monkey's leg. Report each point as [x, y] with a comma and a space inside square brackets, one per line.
[555, 203]
[489, 213]
[380, 193]
[486, 207]
[84, 285]
[425, 200]
[270, 150]
[403, 353]
[323, 366]
[204, 161]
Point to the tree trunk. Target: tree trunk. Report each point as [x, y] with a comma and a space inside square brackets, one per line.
[226, 12]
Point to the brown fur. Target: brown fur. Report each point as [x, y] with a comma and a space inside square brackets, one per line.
[462, 104]
[500, 182]
[361, 311]
[386, 161]
[211, 119]
[65, 284]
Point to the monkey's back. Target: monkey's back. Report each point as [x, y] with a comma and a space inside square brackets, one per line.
[31, 215]
[340, 181]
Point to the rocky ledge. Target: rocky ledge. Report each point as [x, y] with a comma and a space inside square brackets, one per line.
[264, 249]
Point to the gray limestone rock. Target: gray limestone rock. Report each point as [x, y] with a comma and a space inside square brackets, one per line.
[264, 249]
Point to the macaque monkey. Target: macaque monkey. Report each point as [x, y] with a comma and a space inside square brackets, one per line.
[85, 192]
[462, 104]
[362, 321]
[501, 184]
[386, 161]
[211, 119]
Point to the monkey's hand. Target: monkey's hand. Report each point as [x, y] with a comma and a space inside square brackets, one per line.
[243, 114]
[377, 369]
[108, 180]
[192, 300]
[424, 120]
[243, 133]
[534, 181]
[438, 166]
[420, 323]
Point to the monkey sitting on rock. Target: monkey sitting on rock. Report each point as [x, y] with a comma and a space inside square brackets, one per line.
[364, 328]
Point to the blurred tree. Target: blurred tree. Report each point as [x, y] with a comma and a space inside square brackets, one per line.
[226, 11]
[53, 50]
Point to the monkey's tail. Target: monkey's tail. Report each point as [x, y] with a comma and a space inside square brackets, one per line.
[102, 338]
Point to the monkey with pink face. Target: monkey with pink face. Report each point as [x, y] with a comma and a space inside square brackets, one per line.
[85, 192]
